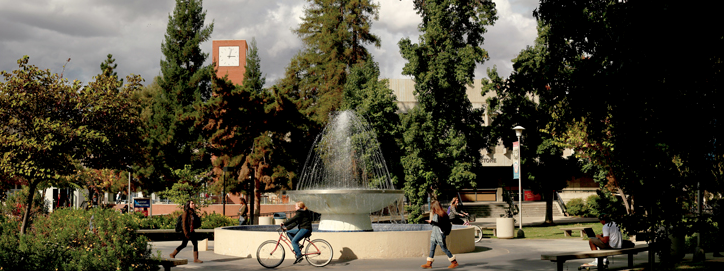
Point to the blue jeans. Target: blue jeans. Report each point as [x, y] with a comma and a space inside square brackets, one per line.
[443, 246]
[296, 235]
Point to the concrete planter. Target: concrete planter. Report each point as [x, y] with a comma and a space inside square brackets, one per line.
[505, 226]
[266, 220]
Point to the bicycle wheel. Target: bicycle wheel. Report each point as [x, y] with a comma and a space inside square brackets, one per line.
[478, 233]
[270, 254]
[319, 253]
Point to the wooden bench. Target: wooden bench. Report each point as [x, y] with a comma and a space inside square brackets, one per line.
[167, 263]
[569, 231]
[490, 228]
[560, 258]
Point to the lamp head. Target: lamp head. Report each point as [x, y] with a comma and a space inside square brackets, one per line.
[518, 130]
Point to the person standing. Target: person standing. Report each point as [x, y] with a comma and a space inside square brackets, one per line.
[303, 219]
[441, 227]
[118, 197]
[189, 222]
[609, 238]
[242, 212]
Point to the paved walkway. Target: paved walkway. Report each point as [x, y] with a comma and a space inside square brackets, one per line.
[490, 254]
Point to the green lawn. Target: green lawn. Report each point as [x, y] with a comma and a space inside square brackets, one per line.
[552, 232]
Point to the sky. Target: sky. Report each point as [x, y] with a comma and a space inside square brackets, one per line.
[85, 31]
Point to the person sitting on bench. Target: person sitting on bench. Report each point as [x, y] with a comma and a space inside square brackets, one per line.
[608, 239]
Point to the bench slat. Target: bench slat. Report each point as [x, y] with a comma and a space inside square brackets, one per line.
[174, 261]
[593, 254]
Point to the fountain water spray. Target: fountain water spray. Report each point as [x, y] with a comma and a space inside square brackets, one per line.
[345, 177]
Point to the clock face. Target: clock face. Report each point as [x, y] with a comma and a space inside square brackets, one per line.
[229, 56]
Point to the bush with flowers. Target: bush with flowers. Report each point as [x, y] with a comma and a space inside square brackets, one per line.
[76, 239]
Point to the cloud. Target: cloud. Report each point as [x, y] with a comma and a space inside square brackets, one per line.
[86, 31]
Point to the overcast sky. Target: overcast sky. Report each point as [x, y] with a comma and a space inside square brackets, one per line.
[52, 31]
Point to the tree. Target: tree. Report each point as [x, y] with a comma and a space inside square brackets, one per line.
[524, 99]
[188, 187]
[371, 97]
[108, 68]
[173, 139]
[443, 133]
[250, 131]
[658, 113]
[334, 33]
[51, 126]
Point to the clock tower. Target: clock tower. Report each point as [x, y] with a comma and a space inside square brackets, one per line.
[230, 59]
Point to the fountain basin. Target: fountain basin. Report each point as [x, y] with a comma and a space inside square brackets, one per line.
[346, 209]
[387, 241]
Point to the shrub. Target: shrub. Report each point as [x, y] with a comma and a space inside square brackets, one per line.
[208, 221]
[14, 207]
[576, 207]
[214, 220]
[592, 206]
[75, 239]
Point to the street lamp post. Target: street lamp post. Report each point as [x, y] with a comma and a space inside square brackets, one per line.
[519, 132]
[128, 197]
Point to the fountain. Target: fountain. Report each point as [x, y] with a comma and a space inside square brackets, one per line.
[345, 177]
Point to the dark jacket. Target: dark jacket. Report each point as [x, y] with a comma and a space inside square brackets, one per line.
[303, 218]
[180, 224]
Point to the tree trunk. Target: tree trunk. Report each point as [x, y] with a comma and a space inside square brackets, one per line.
[625, 200]
[252, 199]
[28, 205]
[549, 208]
[257, 195]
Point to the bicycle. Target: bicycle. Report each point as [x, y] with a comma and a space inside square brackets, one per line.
[317, 252]
[478, 230]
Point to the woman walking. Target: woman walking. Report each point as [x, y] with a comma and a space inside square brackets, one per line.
[242, 212]
[303, 218]
[189, 222]
[440, 228]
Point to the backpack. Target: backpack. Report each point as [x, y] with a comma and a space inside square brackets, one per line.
[179, 227]
[627, 244]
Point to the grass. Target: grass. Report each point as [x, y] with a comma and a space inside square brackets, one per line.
[552, 232]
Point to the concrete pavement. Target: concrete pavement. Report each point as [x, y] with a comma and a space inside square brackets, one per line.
[490, 253]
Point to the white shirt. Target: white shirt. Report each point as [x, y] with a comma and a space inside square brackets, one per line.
[614, 234]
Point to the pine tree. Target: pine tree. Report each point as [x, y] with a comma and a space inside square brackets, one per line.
[443, 133]
[108, 68]
[173, 139]
[334, 33]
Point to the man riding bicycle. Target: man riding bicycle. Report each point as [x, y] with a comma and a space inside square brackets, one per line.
[303, 219]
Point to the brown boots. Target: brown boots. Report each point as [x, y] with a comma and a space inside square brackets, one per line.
[453, 263]
[196, 256]
[428, 264]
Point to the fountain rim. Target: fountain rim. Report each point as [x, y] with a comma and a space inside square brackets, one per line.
[346, 191]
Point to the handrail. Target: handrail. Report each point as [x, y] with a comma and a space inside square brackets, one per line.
[561, 204]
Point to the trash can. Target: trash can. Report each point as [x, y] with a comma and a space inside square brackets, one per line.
[279, 218]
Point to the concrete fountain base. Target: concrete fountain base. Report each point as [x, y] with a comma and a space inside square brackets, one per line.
[387, 241]
[346, 209]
